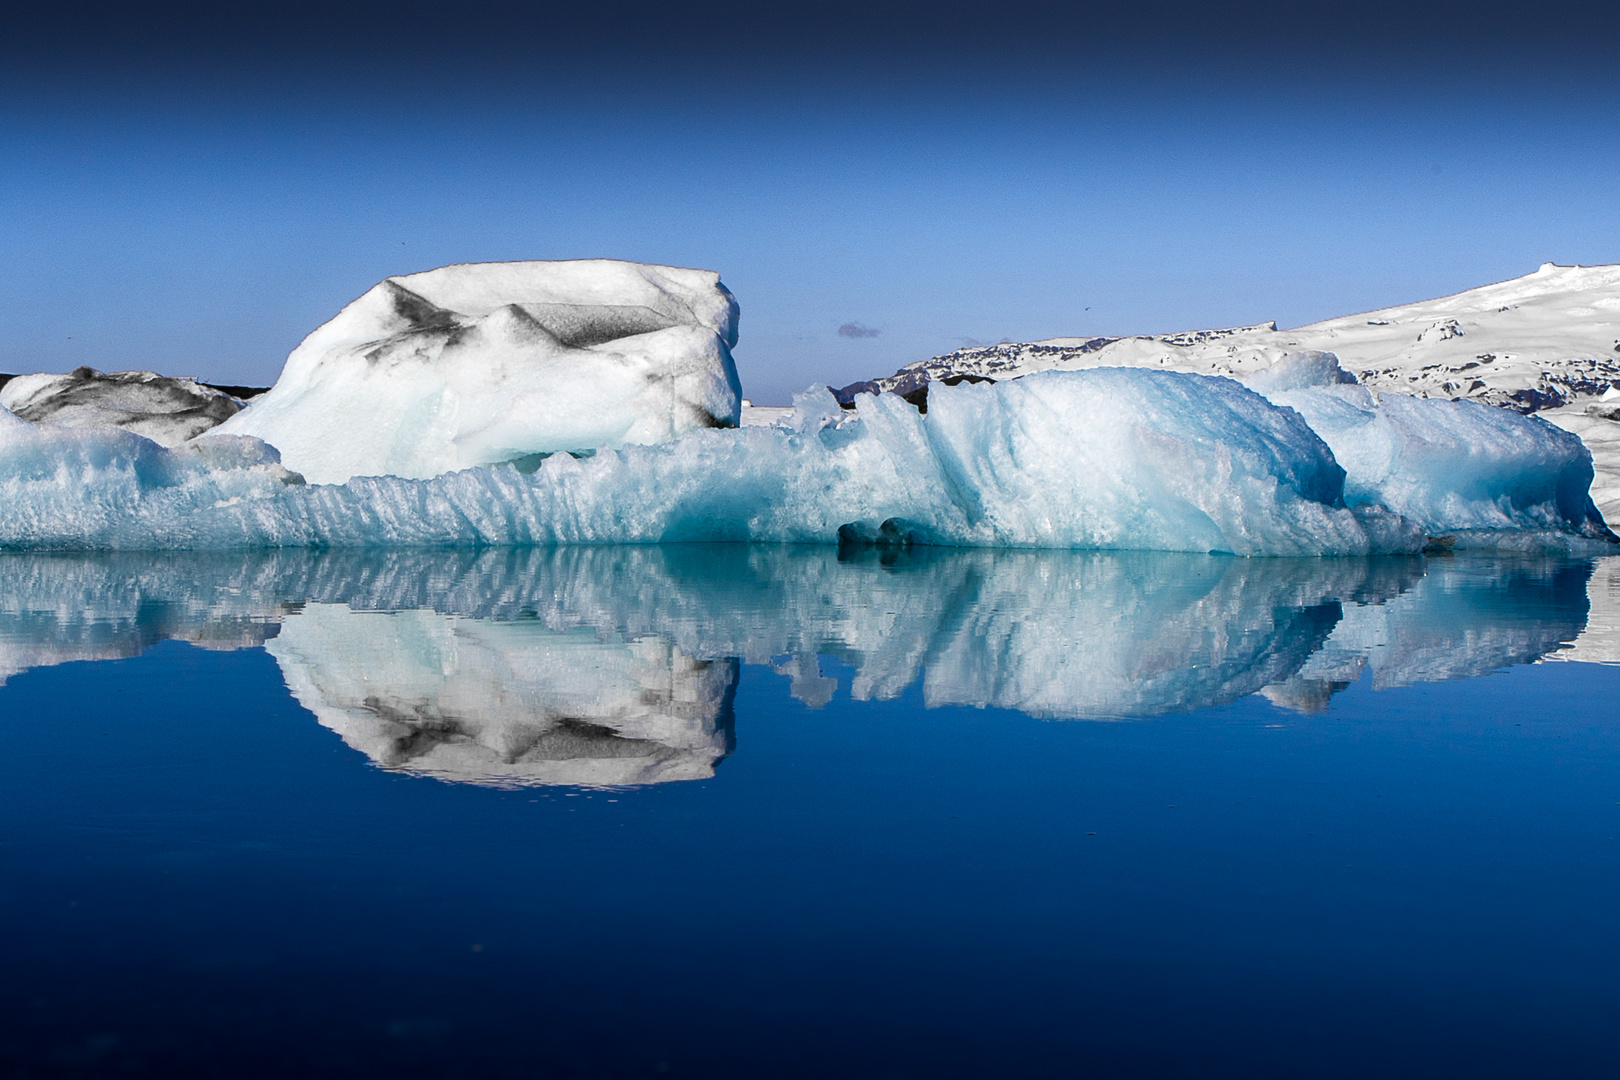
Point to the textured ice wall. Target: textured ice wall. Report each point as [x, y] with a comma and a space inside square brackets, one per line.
[489, 362]
[106, 488]
[1111, 458]
[1458, 467]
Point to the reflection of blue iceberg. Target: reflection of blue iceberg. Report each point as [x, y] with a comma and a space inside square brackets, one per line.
[616, 665]
[1060, 634]
[1507, 613]
[55, 609]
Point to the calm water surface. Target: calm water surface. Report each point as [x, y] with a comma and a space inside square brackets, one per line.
[733, 811]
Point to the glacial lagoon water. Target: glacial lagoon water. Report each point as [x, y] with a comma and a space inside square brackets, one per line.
[754, 811]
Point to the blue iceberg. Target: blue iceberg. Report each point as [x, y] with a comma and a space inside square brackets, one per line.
[1106, 458]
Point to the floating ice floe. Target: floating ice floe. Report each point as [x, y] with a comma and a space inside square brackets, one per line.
[1103, 458]
[490, 362]
[1546, 343]
[1097, 459]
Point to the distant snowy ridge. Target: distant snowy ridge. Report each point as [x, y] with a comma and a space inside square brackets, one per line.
[1534, 342]
[1545, 343]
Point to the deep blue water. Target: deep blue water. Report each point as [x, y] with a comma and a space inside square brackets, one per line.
[1414, 880]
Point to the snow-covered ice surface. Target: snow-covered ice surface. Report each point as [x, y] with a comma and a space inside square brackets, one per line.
[483, 363]
[764, 415]
[1097, 459]
[166, 410]
[1533, 342]
[606, 665]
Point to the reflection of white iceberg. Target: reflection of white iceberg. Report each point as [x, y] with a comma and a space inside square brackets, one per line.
[506, 702]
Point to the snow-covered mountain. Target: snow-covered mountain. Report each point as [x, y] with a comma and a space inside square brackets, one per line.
[1535, 342]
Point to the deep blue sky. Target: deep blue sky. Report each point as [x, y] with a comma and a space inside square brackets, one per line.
[193, 190]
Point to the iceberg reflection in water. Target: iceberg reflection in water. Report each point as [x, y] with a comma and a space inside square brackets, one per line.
[613, 666]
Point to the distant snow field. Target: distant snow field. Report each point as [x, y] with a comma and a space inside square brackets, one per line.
[1536, 342]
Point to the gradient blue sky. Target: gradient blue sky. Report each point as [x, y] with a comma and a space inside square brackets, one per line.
[193, 193]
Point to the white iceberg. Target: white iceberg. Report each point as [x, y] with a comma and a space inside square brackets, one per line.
[484, 363]
[166, 410]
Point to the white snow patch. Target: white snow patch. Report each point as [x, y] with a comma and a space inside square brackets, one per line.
[764, 415]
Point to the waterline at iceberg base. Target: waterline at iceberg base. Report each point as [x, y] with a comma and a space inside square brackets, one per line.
[1102, 458]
